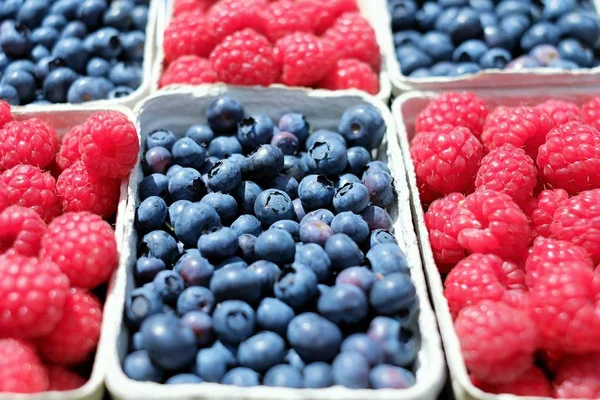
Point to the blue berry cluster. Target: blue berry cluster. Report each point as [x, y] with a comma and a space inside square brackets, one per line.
[57, 51]
[457, 37]
[266, 257]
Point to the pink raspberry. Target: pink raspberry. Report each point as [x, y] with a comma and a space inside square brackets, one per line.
[324, 14]
[33, 294]
[29, 186]
[570, 157]
[578, 377]
[350, 73]
[83, 245]
[533, 382]
[577, 220]
[489, 222]
[69, 154]
[191, 70]
[188, 34]
[5, 115]
[61, 379]
[524, 127]
[229, 16]
[109, 144]
[546, 205]
[4, 201]
[464, 109]
[591, 112]
[484, 277]
[445, 160]
[76, 335]
[304, 58]
[21, 370]
[561, 111]
[21, 229]
[27, 142]
[181, 7]
[444, 241]
[285, 17]
[497, 341]
[509, 170]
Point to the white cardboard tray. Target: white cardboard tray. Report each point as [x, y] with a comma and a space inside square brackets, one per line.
[177, 110]
[370, 9]
[62, 120]
[405, 110]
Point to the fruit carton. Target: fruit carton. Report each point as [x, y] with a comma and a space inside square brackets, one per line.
[179, 108]
[370, 9]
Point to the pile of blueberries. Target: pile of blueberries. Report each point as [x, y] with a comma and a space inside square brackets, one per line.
[57, 51]
[266, 257]
[457, 37]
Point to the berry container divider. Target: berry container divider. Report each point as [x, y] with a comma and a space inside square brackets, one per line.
[405, 110]
[62, 119]
[372, 10]
[177, 109]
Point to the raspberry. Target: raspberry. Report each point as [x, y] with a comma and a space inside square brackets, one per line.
[27, 142]
[591, 112]
[353, 37]
[350, 73]
[21, 229]
[491, 222]
[561, 111]
[578, 220]
[187, 34]
[533, 382]
[245, 58]
[457, 109]
[285, 17]
[564, 304]
[446, 160]
[76, 335]
[5, 115]
[524, 127]
[33, 294]
[191, 70]
[546, 205]
[109, 144]
[570, 157]
[61, 379]
[80, 189]
[484, 277]
[304, 58]
[444, 242]
[578, 377]
[181, 7]
[497, 341]
[4, 201]
[29, 186]
[69, 154]
[21, 370]
[230, 16]
[509, 170]
[324, 14]
[83, 245]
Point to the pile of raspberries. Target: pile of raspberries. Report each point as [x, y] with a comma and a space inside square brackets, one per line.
[512, 200]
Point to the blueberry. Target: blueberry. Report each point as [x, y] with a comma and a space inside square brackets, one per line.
[16, 41]
[234, 283]
[224, 204]
[220, 243]
[23, 82]
[157, 159]
[420, 73]
[400, 344]
[469, 51]
[523, 62]
[201, 323]
[187, 184]
[381, 236]
[275, 245]
[39, 52]
[540, 33]
[299, 210]
[133, 45]
[295, 124]
[395, 294]
[20, 65]
[10, 8]
[352, 225]
[391, 377]
[584, 27]
[351, 197]
[544, 54]
[317, 375]
[175, 209]
[376, 166]
[412, 58]
[169, 342]
[141, 303]
[139, 367]
[291, 227]
[247, 224]
[461, 23]
[358, 158]
[343, 252]
[266, 273]
[146, 268]
[119, 15]
[343, 304]
[322, 215]
[377, 218]
[168, 285]
[508, 7]
[488, 19]
[572, 50]
[200, 133]
[321, 135]
[380, 185]
[453, 3]
[139, 15]
[126, 74]
[406, 37]
[273, 205]
[159, 244]
[314, 257]
[151, 214]
[287, 142]
[183, 379]
[327, 157]
[234, 321]
[224, 114]
[224, 176]
[32, 12]
[351, 369]
[240, 376]
[347, 178]
[211, 365]
[193, 221]
[427, 15]
[292, 358]
[222, 146]
[246, 243]
[45, 66]
[316, 191]
[55, 21]
[387, 258]
[363, 344]
[195, 298]
[67, 8]
[194, 269]
[403, 14]
[254, 131]
[514, 25]
[91, 11]
[265, 163]
[57, 84]
[563, 64]
[315, 232]
[261, 351]
[437, 45]
[71, 50]
[76, 29]
[297, 285]
[245, 194]
[137, 342]
[313, 337]
[362, 125]
[88, 89]
[274, 315]
[361, 277]
[495, 58]
[283, 375]
[154, 185]
[233, 262]
[105, 43]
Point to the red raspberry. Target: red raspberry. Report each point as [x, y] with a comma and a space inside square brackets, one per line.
[591, 112]
[5, 115]
[245, 58]
[445, 160]
[304, 58]
[285, 17]
[27, 142]
[564, 304]
[69, 154]
[444, 241]
[484, 277]
[546, 205]
[29, 186]
[531, 383]
[457, 109]
[33, 294]
[83, 245]
[561, 111]
[76, 335]
[578, 377]
[188, 34]
[491, 222]
[181, 7]
[80, 189]
[323, 14]
[4, 201]
[497, 341]
[524, 127]
[109, 144]
[509, 170]
[350, 73]
[353, 37]
[61, 379]
[230, 16]
[570, 157]
[578, 220]
[21, 370]
[21, 229]
[191, 70]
